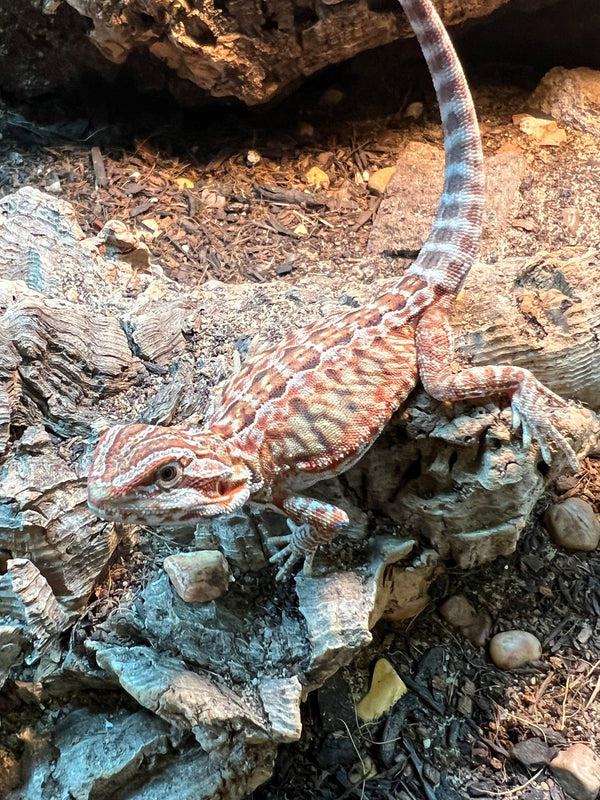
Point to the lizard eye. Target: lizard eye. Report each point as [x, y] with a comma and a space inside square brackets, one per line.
[169, 475]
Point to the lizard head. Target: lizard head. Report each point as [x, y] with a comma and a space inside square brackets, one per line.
[163, 476]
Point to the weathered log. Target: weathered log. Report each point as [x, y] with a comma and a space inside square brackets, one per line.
[249, 50]
[252, 50]
[220, 682]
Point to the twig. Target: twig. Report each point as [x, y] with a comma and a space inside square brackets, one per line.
[308, 219]
[564, 704]
[593, 694]
[418, 765]
[290, 196]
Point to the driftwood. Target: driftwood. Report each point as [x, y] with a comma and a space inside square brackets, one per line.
[252, 51]
[249, 50]
[212, 688]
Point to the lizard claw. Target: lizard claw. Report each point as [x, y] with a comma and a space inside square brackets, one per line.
[289, 553]
[532, 405]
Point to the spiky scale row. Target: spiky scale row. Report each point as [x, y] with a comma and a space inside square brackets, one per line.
[308, 408]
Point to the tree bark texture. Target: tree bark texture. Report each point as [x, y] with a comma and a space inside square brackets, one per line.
[248, 49]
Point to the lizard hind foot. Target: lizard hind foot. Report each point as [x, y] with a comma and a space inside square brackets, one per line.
[532, 405]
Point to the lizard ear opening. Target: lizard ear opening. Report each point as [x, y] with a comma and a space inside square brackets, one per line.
[169, 475]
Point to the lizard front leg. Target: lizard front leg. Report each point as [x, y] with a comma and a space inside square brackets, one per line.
[312, 523]
[531, 402]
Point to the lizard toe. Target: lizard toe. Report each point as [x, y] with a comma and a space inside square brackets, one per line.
[547, 435]
[286, 557]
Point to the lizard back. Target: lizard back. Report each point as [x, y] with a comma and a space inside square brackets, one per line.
[309, 407]
[314, 403]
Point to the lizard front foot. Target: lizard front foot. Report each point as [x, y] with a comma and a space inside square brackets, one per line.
[291, 550]
[312, 523]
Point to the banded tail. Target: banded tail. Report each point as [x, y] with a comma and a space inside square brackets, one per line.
[448, 254]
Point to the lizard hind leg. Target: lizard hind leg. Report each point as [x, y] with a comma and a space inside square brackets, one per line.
[312, 523]
[532, 403]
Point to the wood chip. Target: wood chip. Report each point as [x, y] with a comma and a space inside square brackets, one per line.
[100, 179]
[142, 208]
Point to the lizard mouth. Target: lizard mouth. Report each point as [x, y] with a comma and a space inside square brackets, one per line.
[175, 514]
[111, 514]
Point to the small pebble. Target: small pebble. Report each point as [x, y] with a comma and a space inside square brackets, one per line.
[54, 187]
[212, 199]
[363, 770]
[200, 576]
[305, 131]
[565, 483]
[573, 525]
[512, 649]
[571, 219]
[585, 634]
[545, 131]
[458, 611]
[464, 617]
[331, 97]
[577, 769]
[414, 110]
[324, 158]
[316, 178]
[378, 180]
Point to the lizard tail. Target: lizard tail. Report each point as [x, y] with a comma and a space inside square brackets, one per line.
[448, 254]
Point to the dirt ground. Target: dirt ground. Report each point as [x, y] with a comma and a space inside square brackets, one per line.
[188, 183]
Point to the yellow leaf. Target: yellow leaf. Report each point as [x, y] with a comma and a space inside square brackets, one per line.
[387, 687]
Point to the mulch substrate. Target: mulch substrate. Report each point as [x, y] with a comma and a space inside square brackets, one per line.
[453, 735]
[244, 212]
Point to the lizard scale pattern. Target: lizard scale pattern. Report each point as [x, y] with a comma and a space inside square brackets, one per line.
[309, 408]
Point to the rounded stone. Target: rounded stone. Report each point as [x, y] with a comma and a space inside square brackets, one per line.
[378, 181]
[573, 525]
[461, 615]
[512, 649]
[316, 178]
[571, 96]
[577, 769]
